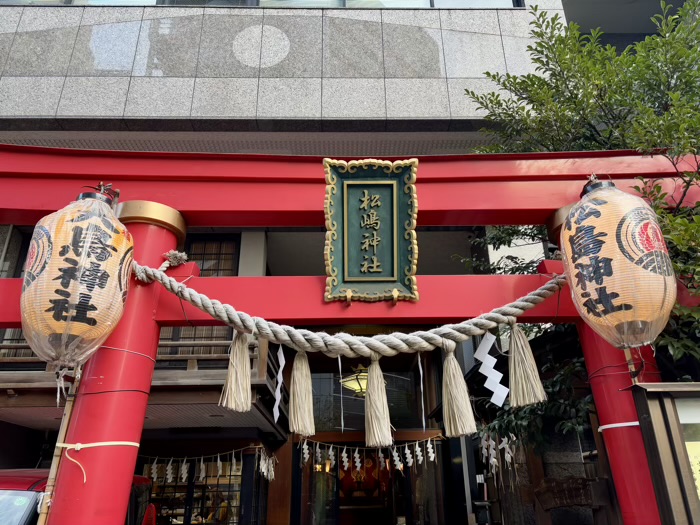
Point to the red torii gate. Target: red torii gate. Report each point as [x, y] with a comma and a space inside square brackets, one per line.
[254, 191]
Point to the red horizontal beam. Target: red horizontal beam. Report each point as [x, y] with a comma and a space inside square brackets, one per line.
[145, 166]
[246, 191]
[299, 301]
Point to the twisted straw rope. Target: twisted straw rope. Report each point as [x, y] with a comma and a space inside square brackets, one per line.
[346, 345]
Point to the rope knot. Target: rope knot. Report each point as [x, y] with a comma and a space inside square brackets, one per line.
[175, 258]
[374, 356]
[78, 447]
[449, 346]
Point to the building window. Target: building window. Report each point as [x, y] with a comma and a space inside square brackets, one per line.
[14, 243]
[216, 256]
[178, 343]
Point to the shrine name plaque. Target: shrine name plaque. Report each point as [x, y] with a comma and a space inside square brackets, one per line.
[371, 251]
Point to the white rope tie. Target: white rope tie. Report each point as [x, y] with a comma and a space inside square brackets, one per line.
[618, 425]
[342, 414]
[386, 345]
[40, 503]
[422, 396]
[128, 352]
[79, 446]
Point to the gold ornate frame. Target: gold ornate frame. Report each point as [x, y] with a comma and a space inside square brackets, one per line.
[409, 188]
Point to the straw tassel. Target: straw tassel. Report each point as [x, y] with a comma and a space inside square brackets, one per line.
[525, 384]
[301, 403]
[377, 422]
[236, 394]
[456, 407]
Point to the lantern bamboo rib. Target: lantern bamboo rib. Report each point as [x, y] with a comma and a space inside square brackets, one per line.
[346, 345]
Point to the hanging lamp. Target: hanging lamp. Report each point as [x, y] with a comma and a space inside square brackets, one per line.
[76, 279]
[617, 265]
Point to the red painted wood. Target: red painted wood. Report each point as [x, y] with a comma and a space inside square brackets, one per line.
[299, 301]
[247, 191]
[111, 404]
[611, 383]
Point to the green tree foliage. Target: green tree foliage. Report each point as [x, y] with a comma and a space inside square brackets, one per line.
[566, 407]
[589, 96]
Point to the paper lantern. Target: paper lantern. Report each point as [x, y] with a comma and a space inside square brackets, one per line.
[76, 280]
[617, 264]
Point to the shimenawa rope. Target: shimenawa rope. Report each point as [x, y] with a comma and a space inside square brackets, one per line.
[457, 411]
[385, 345]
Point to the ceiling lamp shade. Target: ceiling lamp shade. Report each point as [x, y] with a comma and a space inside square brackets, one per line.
[356, 382]
[617, 265]
[76, 280]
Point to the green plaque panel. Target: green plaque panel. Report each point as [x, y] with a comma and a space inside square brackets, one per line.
[371, 251]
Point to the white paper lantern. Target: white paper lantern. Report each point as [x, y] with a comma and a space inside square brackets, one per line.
[76, 279]
[617, 264]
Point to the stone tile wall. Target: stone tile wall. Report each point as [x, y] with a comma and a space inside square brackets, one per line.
[136, 68]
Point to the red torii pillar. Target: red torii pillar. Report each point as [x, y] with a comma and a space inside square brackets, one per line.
[113, 394]
[611, 384]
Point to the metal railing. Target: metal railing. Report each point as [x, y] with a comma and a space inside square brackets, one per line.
[19, 367]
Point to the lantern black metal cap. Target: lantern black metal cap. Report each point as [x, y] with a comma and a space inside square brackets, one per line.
[99, 196]
[595, 184]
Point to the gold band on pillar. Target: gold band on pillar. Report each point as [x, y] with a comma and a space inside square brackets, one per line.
[153, 213]
[555, 222]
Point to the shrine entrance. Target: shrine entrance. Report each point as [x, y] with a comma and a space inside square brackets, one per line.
[371, 494]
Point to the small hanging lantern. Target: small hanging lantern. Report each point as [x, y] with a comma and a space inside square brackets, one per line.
[76, 279]
[617, 264]
[356, 382]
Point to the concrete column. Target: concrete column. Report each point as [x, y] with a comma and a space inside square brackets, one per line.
[253, 259]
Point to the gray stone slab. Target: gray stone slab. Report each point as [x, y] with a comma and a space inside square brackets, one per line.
[416, 98]
[93, 97]
[352, 49]
[413, 52]
[545, 4]
[354, 98]
[292, 98]
[516, 22]
[230, 45]
[41, 53]
[29, 96]
[461, 106]
[469, 55]
[159, 97]
[225, 97]
[292, 12]
[150, 13]
[110, 15]
[291, 46]
[517, 57]
[9, 19]
[43, 18]
[105, 50]
[471, 20]
[366, 15]
[412, 17]
[5, 44]
[168, 47]
[238, 11]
